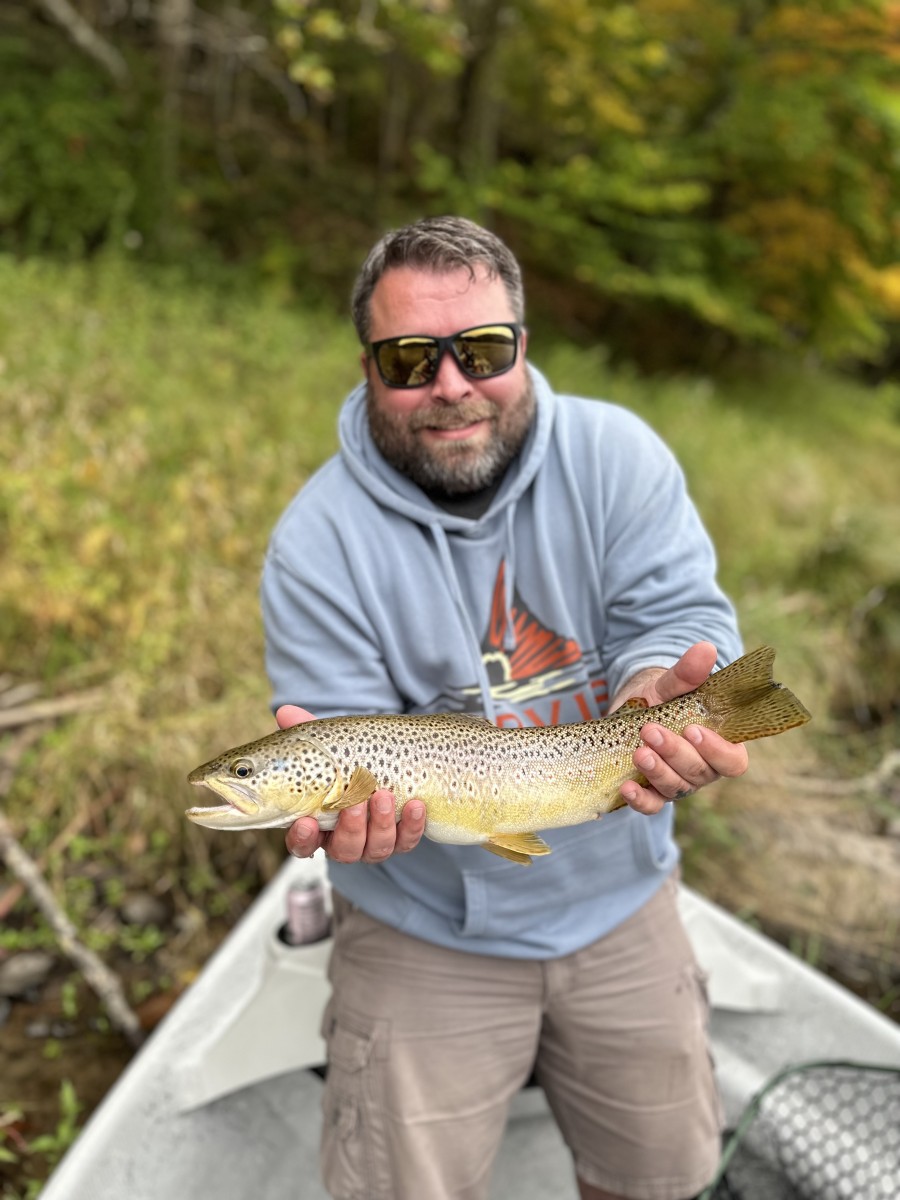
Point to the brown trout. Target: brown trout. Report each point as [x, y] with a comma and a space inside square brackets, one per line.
[480, 785]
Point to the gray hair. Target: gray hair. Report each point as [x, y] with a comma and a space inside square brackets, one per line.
[436, 244]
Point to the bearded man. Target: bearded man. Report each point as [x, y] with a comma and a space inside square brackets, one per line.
[483, 544]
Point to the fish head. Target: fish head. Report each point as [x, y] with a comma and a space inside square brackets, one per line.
[267, 784]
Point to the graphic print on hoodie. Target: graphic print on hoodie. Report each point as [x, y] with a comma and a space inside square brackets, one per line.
[531, 672]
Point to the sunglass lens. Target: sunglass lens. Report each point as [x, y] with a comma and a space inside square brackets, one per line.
[486, 351]
[407, 362]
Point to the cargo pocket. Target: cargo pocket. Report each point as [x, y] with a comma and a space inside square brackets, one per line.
[700, 981]
[354, 1147]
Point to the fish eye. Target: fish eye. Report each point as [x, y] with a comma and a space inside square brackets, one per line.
[242, 768]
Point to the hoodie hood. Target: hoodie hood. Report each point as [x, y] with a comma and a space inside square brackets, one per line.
[393, 490]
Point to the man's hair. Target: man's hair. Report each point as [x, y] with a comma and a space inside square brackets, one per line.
[436, 244]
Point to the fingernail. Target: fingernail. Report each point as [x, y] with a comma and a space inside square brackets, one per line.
[645, 760]
[653, 737]
[416, 809]
[629, 792]
[694, 734]
[383, 806]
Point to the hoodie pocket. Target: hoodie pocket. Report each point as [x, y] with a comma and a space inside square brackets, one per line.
[600, 863]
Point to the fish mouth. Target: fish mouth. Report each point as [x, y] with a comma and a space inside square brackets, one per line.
[238, 799]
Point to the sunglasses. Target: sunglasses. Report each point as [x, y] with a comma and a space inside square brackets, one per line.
[412, 361]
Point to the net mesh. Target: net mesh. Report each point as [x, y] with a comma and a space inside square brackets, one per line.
[818, 1131]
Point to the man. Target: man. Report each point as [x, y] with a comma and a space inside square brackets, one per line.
[483, 544]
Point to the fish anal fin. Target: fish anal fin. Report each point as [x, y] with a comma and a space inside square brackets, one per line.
[517, 847]
[360, 787]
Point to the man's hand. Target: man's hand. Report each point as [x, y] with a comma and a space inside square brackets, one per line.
[677, 765]
[367, 832]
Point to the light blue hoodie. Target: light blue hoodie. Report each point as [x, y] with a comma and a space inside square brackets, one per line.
[590, 564]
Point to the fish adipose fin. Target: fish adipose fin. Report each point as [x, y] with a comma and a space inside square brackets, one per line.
[361, 786]
[517, 847]
[747, 703]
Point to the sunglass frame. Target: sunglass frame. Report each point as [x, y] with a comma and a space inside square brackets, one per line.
[444, 344]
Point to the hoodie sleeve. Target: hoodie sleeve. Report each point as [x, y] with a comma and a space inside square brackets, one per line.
[659, 566]
[321, 651]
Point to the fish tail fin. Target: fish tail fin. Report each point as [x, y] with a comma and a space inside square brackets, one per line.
[747, 703]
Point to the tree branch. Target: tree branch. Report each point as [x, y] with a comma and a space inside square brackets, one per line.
[104, 983]
[87, 38]
[46, 710]
[872, 781]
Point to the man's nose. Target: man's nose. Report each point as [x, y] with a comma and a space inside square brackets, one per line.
[450, 384]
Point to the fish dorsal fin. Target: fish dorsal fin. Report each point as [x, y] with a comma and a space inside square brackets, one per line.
[455, 717]
[517, 847]
[635, 702]
[360, 787]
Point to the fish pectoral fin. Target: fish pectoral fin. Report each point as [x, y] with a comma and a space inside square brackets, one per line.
[360, 787]
[517, 847]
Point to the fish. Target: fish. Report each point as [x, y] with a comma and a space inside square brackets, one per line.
[480, 784]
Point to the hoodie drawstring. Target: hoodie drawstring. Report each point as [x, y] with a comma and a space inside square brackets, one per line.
[509, 575]
[481, 674]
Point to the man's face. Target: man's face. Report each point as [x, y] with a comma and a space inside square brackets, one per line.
[455, 434]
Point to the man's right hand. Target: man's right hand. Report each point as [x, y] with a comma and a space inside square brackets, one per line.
[367, 832]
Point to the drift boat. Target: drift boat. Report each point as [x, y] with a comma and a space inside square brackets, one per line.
[224, 1099]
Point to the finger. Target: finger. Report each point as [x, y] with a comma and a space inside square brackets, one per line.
[661, 778]
[673, 765]
[725, 758]
[689, 672]
[303, 838]
[381, 836]
[292, 714]
[411, 827]
[641, 799]
[348, 838]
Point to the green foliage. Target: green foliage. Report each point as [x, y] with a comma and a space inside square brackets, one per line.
[66, 154]
[36, 1156]
[733, 163]
[695, 177]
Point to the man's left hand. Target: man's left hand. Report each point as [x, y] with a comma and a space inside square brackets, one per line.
[676, 765]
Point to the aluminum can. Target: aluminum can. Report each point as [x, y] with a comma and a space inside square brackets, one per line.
[308, 919]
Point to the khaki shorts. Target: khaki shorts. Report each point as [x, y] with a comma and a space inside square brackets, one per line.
[427, 1046]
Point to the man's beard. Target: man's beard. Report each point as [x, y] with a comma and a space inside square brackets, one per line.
[450, 467]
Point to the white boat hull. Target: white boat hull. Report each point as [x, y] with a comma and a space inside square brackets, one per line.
[219, 1103]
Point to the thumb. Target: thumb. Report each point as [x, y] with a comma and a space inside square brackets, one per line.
[689, 672]
[292, 714]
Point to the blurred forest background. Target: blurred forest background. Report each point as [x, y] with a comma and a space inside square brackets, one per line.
[705, 201]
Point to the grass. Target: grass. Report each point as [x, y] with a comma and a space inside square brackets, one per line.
[152, 432]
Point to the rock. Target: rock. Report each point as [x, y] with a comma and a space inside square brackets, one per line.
[24, 972]
[42, 1027]
[140, 908]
